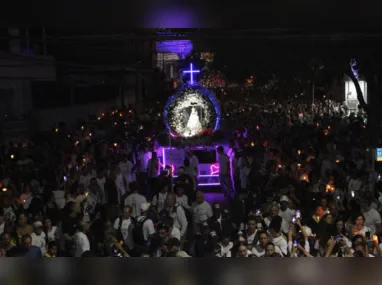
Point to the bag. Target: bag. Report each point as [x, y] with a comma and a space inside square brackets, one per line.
[137, 233]
[188, 216]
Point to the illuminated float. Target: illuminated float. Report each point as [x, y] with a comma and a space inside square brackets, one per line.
[192, 112]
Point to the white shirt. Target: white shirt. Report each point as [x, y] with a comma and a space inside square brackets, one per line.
[59, 199]
[39, 241]
[282, 243]
[175, 233]
[101, 182]
[183, 201]
[259, 251]
[90, 204]
[193, 168]
[159, 201]
[147, 227]
[201, 212]
[244, 172]
[287, 215]
[225, 251]
[81, 243]
[52, 234]
[135, 200]
[125, 229]
[223, 160]
[180, 219]
[372, 218]
[120, 186]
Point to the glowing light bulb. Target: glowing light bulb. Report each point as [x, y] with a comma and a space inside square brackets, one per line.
[90, 134]
[99, 118]
[12, 156]
[4, 189]
[115, 144]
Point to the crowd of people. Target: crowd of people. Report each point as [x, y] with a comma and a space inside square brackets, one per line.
[299, 181]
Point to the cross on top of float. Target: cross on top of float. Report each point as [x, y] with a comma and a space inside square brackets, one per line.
[191, 71]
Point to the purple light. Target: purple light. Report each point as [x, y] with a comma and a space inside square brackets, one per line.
[191, 72]
[214, 168]
[209, 184]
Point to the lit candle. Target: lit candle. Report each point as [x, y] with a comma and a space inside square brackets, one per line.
[299, 152]
[299, 165]
[82, 127]
[115, 123]
[99, 118]
[115, 144]
[12, 156]
[4, 189]
[56, 130]
[90, 134]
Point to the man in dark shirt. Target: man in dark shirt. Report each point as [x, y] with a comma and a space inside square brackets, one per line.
[26, 249]
[69, 225]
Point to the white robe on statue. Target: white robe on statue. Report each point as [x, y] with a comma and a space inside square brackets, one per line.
[194, 126]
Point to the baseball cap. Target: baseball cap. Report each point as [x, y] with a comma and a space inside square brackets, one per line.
[37, 224]
[284, 199]
[144, 207]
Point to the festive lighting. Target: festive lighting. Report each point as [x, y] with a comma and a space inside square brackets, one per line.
[191, 72]
[197, 99]
[299, 165]
[214, 169]
[4, 189]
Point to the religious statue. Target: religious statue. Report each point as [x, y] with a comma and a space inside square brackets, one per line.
[194, 126]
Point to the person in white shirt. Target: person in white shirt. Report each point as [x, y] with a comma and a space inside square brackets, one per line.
[277, 237]
[159, 200]
[225, 246]
[201, 209]
[177, 213]
[275, 213]
[372, 217]
[285, 212]
[259, 249]
[81, 240]
[39, 237]
[50, 230]
[92, 199]
[224, 171]
[153, 171]
[101, 180]
[244, 172]
[193, 168]
[174, 232]
[181, 199]
[135, 200]
[123, 225]
[147, 226]
[120, 183]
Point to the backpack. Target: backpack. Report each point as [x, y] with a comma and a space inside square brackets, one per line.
[137, 232]
[188, 216]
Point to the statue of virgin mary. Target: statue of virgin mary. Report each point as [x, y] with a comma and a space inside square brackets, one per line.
[194, 126]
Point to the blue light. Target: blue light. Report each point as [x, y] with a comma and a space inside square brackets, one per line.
[191, 72]
[195, 88]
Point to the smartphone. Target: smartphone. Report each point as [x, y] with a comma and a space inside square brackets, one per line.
[294, 220]
[298, 214]
[367, 235]
[352, 194]
[258, 212]
[65, 179]
[337, 238]
[295, 243]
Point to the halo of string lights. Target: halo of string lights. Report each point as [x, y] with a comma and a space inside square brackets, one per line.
[185, 98]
